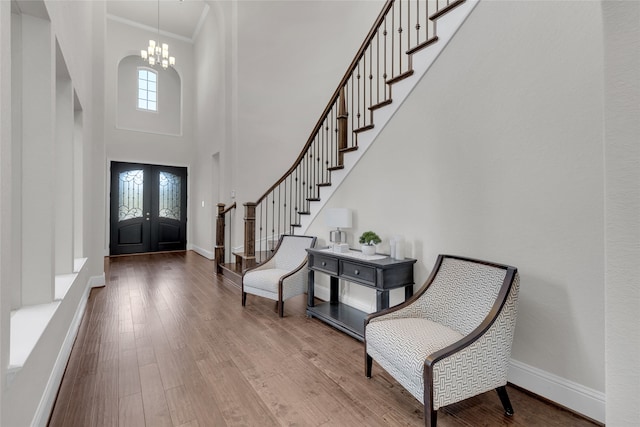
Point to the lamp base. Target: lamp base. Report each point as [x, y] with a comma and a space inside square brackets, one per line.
[337, 236]
[341, 248]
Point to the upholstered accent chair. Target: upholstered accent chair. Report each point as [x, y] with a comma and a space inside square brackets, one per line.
[282, 275]
[452, 339]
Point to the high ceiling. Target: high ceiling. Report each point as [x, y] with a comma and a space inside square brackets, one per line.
[181, 18]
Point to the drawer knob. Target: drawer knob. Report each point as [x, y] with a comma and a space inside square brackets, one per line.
[357, 272]
[324, 263]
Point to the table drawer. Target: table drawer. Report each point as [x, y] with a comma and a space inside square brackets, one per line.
[326, 264]
[358, 272]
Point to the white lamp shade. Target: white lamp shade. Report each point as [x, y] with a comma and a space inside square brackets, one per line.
[338, 217]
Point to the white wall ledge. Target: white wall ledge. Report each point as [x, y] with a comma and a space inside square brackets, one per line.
[63, 282]
[29, 323]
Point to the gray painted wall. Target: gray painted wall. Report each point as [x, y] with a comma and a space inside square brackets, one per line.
[498, 155]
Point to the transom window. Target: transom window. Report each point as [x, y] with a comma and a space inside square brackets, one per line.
[147, 89]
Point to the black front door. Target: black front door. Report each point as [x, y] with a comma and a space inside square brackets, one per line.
[148, 208]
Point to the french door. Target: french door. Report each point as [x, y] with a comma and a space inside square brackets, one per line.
[148, 208]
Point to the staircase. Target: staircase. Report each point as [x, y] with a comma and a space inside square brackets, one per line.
[404, 41]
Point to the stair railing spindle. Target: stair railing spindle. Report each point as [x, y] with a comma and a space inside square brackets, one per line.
[335, 132]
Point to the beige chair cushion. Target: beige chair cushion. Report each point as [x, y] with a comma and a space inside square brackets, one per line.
[401, 346]
[266, 280]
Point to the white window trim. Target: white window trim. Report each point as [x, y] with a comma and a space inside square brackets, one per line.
[149, 69]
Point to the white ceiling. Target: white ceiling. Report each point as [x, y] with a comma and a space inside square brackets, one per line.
[178, 18]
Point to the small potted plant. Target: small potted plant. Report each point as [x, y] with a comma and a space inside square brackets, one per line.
[369, 239]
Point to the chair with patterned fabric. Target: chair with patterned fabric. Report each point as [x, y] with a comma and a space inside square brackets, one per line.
[282, 275]
[452, 339]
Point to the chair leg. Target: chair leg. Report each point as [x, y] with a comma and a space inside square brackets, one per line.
[430, 417]
[281, 308]
[244, 299]
[368, 365]
[430, 414]
[504, 398]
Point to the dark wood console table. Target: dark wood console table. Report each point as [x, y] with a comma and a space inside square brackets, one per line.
[380, 274]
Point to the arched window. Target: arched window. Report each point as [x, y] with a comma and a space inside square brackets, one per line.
[147, 89]
[148, 100]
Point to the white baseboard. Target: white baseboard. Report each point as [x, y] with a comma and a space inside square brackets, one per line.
[576, 397]
[97, 281]
[205, 253]
[41, 417]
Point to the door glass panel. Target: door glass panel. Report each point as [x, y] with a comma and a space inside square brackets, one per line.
[130, 194]
[169, 197]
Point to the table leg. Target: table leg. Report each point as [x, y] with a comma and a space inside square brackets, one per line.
[382, 300]
[310, 292]
[334, 290]
[408, 292]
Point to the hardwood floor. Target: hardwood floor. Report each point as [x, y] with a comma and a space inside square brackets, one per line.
[167, 343]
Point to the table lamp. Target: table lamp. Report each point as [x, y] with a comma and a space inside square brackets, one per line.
[338, 218]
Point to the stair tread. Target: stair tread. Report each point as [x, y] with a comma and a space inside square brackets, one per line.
[348, 149]
[259, 255]
[380, 104]
[400, 77]
[313, 199]
[363, 128]
[445, 10]
[233, 273]
[324, 184]
[335, 168]
[422, 45]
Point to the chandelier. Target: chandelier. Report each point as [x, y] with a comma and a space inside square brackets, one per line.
[157, 53]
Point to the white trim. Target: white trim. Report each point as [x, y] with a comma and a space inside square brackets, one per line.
[148, 28]
[205, 253]
[97, 281]
[45, 406]
[576, 397]
[203, 17]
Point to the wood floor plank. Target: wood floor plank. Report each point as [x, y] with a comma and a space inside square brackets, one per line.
[105, 403]
[170, 370]
[128, 373]
[130, 411]
[167, 343]
[236, 399]
[80, 408]
[180, 406]
[156, 410]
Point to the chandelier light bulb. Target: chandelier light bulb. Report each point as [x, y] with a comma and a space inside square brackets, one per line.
[156, 52]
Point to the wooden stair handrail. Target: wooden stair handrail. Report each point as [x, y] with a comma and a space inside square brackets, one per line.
[225, 211]
[367, 41]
